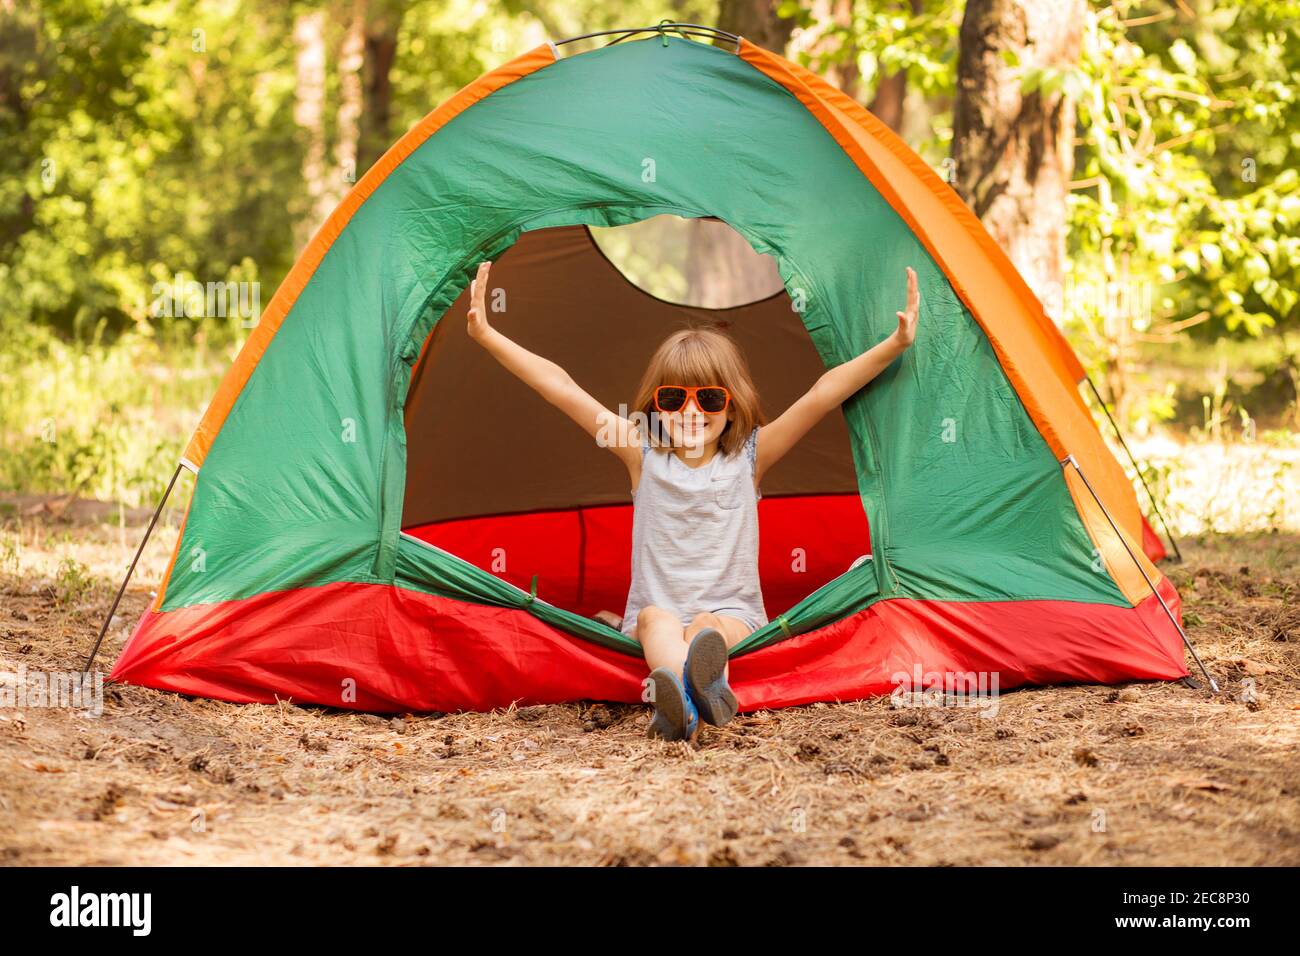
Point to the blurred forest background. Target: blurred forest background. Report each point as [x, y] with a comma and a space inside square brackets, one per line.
[1140, 161]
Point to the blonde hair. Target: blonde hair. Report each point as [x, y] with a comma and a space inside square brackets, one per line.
[703, 356]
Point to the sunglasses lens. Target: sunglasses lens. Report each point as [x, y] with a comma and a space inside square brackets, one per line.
[712, 399]
[670, 398]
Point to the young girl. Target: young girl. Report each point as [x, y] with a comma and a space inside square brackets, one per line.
[695, 454]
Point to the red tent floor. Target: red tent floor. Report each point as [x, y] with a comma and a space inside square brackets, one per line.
[384, 648]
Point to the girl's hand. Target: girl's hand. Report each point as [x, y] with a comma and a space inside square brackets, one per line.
[478, 324]
[906, 333]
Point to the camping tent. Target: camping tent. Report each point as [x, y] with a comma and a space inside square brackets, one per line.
[384, 519]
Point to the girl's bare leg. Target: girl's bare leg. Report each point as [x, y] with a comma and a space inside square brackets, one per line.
[659, 633]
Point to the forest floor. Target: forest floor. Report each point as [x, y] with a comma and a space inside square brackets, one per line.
[1159, 773]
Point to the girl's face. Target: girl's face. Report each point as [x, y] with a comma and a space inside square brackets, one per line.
[691, 428]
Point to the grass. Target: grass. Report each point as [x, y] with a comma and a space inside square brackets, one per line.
[1228, 385]
[1222, 487]
[104, 420]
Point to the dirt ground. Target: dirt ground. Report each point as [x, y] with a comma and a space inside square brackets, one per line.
[1146, 774]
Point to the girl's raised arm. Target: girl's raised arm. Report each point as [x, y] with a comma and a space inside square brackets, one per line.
[553, 383]
[836, 385]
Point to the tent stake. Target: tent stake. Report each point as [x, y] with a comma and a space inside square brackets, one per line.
[1069, 460]
[1155, 505]
[131, 570]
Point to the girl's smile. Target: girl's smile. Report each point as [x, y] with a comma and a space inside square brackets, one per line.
[693, 429]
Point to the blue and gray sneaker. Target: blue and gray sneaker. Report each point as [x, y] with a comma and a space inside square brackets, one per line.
[675, 717]
[706, 678]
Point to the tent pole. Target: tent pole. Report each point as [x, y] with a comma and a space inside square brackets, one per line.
[131, 570]
[1069, 460]
[1155, 505]
[691, 29]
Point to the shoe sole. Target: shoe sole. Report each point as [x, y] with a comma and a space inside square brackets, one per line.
[669, 720]
[706, 666]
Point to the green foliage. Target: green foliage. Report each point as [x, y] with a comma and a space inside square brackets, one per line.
[141, 142]
[73, 582]
[887, 37]
[1188, 144]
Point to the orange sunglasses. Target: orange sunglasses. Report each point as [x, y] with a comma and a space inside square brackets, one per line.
[710, 399]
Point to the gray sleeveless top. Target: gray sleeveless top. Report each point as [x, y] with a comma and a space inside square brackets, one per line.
[695, 537]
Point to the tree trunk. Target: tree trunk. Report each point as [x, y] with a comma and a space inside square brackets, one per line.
[309, 113]
[830, 39]
[756, 21]
[1014, 153]
[348, 119]
[382, 26]
[887, 104]
[723, 270]
[891, 92]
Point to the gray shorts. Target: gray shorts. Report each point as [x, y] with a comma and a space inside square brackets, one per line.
[739, 615]
[731, 612]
